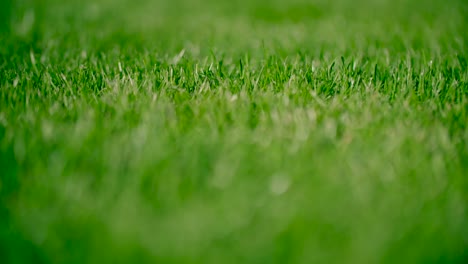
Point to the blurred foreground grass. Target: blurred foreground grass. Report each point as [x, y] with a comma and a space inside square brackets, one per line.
[233, 132]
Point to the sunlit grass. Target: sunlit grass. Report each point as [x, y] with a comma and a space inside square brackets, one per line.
[217, 132]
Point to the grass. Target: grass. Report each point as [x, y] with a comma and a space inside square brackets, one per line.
[244, 132]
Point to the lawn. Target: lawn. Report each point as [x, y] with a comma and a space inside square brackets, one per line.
[247, 131]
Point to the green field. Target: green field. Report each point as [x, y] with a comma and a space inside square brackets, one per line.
[246, 131]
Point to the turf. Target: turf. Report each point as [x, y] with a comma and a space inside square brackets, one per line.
[234, 131]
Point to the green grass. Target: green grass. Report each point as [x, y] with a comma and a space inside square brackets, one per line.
[244, 132]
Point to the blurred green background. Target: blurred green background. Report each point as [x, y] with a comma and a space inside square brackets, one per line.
[246, 131]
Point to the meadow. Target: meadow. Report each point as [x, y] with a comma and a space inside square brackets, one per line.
[246, 131]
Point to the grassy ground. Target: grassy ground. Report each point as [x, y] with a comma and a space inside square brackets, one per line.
[234, 131]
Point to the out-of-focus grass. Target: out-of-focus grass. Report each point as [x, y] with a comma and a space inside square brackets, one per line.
[245, 131]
